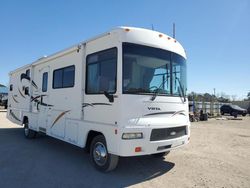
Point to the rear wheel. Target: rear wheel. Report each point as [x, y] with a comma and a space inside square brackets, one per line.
[28, 133]
[100, 157]
[244, 114]
[159, 155]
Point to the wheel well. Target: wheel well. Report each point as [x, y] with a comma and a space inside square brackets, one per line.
[25, 119]
[90, 137]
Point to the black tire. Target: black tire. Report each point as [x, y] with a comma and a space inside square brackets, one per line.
[101, 159]
[244, 114]
[28, 133]
[222, 113]
[160, 155]
[234, 114]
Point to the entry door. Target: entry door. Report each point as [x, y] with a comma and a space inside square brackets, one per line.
[43, 98]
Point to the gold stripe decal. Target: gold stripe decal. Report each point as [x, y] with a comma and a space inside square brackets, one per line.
[59, 116]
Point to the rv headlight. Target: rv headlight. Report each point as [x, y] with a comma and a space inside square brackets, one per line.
[127, 136]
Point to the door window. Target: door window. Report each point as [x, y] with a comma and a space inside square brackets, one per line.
[45, 82]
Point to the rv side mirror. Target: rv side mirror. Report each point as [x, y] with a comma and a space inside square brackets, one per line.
[109, 96]
[26, 91]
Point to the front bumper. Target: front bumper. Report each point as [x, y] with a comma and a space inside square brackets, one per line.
[127, 147]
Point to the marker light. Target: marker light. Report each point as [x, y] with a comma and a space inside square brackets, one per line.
[138, 149]
[128, 136]
[127, 29]
[160, 35]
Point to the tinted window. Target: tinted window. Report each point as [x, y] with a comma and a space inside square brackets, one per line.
[101, 72]
[28, 72]
[64, 77]
[57, 78]
[45, 82]
[68, 76]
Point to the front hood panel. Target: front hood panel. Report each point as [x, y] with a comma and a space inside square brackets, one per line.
[163, 111]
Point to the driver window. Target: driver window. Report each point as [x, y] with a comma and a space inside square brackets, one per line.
[101, 72]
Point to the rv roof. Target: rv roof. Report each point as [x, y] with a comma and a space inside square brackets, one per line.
[129, 34]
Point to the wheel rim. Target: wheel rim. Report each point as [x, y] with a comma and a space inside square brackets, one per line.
[100, 154]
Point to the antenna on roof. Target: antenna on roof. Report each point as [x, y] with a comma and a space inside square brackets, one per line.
[174, 30]
[152, 27]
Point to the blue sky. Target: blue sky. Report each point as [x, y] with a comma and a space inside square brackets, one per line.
[215, 34]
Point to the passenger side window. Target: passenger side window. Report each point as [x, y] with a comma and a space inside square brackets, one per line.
[45, 82]
[101, 72]
[64, 77]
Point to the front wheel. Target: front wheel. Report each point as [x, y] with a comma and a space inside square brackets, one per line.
[159, 155]
[28, 133]
[100, 157]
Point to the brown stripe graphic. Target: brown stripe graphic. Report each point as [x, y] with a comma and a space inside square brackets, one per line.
[59, 116]
[14, 99]
[21, 93]
[14, 116]
[34, 98]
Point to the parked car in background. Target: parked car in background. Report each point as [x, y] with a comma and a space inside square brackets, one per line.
[248, 110]
[233, 110]
[3, 96]
[4, 104]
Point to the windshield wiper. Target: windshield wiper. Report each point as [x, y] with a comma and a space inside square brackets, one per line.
[182, 93]
[156, 91]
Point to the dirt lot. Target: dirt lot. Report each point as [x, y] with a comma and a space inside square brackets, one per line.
[217, 156]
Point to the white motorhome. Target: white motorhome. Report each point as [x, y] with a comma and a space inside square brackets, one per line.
[119, 94]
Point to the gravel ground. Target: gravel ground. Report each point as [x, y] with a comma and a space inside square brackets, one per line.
[217, 156]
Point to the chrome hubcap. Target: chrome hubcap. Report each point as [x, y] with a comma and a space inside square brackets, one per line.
[100, 153]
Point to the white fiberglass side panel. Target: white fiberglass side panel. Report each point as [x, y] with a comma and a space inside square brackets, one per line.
[102, 55]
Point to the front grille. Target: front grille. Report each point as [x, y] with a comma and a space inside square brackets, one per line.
[167, 133]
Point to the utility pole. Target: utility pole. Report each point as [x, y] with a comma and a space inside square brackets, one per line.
[174, 30]
[152, 27]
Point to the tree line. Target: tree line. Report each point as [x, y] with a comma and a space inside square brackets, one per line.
[221, 97]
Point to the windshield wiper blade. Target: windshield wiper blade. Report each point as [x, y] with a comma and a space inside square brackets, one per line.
[155, 94]
[182, 94]
[156, 91]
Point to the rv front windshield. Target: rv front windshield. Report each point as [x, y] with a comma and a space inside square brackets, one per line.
[147, 70]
